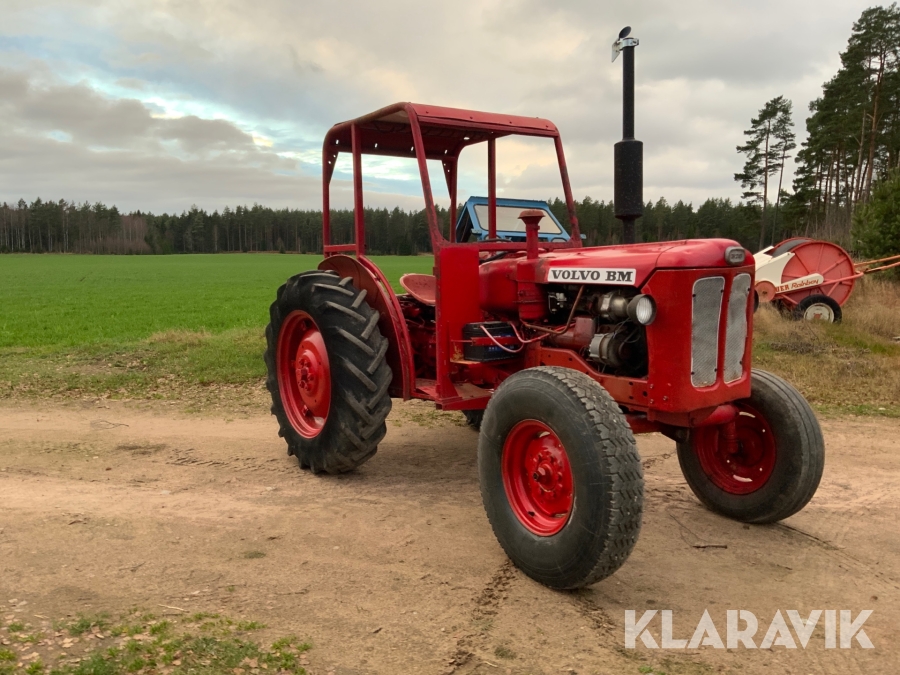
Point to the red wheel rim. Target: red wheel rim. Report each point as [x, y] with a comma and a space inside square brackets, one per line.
[537, 477]
[304, 378]
[738, 457]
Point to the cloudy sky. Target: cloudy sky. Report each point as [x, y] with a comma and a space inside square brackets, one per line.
[160, 104]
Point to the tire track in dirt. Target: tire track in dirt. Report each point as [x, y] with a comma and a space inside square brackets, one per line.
[486, 607]
[588, 607]
[647, 462]
[850, 509]
[841, 556]
[187, 457]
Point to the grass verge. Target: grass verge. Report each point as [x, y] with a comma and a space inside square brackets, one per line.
[144, 645]
[198, 369]
[852, 367]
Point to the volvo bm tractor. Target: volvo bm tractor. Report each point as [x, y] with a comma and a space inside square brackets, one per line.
[560, 353]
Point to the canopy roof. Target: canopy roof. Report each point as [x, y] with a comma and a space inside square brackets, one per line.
[445, 131]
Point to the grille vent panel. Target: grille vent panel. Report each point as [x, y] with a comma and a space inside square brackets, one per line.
[707, 310]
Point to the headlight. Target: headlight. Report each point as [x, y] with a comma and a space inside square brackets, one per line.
[642, 309]
[735, 255]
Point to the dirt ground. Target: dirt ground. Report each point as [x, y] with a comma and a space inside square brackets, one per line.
[394, 569]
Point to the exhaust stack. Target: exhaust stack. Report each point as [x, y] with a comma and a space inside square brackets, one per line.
[629, 152]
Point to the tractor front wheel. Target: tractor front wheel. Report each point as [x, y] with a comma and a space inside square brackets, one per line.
[560, 476]
[326, 372]
[764, 465]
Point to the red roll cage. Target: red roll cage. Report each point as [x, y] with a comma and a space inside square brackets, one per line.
[426, 132]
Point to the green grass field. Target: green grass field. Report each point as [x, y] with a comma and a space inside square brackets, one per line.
[142, 326]
[189, 329]
[65, 301]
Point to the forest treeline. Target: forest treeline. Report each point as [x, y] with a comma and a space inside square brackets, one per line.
[64, 227]
[846, 187]
[853, 130]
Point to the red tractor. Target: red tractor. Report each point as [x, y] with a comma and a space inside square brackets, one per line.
[559, 352]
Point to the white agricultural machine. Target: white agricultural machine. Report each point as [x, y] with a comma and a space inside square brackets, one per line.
[811, 279]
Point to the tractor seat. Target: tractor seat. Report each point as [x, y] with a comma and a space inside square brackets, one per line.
[423, 287]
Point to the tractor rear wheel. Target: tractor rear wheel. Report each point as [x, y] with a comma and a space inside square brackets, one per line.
[818, 308]
[763, 466]
[326, 372]
[560, 476]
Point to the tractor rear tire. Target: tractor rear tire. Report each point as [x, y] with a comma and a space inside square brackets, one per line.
[474, 418]
[560, 477]
[818, 308]
[777, 465]
[327, 373]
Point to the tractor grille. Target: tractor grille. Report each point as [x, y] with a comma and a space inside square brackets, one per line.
[705, 329]
[736, 329]
[707, 311]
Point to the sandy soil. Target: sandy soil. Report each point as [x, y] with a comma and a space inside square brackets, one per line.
[394, 569]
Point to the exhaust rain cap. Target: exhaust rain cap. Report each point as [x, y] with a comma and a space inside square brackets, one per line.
[623, 41]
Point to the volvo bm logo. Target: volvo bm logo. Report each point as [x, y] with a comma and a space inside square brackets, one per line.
[593, 275]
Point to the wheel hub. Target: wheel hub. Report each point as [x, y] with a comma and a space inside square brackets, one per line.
[306, 373]
[304, 377]
[819, 312]
[537, 477]
[738, 457]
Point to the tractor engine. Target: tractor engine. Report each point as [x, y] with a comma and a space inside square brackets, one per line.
[607, 326]
[604, 324]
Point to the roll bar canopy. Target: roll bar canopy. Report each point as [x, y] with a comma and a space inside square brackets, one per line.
[424, 132]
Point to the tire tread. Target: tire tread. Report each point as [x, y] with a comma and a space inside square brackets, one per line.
[623, 475]
[360, 375]
[809, 446]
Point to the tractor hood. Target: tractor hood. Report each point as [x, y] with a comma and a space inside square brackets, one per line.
[629, 265]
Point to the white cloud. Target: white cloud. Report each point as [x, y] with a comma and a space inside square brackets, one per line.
[160, 104]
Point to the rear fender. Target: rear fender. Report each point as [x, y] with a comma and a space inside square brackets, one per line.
[380, 296]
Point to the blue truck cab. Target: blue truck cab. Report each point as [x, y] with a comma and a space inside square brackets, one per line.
[472, 222]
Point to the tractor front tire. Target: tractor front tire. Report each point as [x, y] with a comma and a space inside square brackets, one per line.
[775, 460]
[560, 477]
[327, 373]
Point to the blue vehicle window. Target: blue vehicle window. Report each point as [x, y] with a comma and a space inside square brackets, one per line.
[472, 222]
[508, 219]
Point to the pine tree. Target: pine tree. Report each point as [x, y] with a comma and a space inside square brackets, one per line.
[853, 129]
[763, 157]
[875, 46]
[785, 141]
